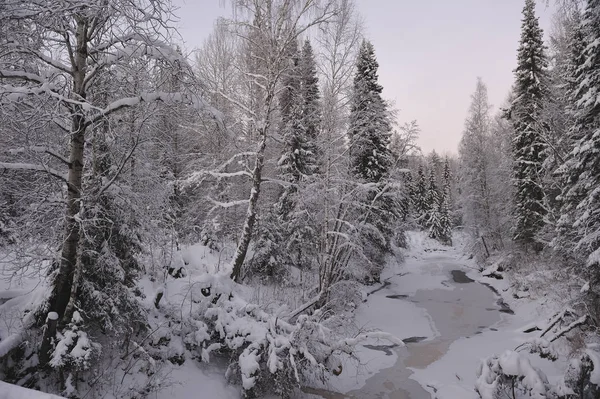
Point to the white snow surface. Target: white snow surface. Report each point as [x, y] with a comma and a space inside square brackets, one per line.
[9, 391]
[191, 380]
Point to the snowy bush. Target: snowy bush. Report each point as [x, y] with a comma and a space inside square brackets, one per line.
[73, 350]
[512, 375]
[582, 378]
[267, 352]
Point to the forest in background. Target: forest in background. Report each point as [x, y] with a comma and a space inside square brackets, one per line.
[274, 146]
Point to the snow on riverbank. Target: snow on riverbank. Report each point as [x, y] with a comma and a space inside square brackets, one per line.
[9, 391]
[191, 380]
[453, 376]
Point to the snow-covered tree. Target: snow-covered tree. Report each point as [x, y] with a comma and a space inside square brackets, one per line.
[420, 197]
[439, 221]
[475, 161]
[287, 235]
[311, 102]
[526, 115]
[432, 199]
[89, 75]
[90, 42]
[370, 131]
[566, 48]
[581, 170]
[260, 24]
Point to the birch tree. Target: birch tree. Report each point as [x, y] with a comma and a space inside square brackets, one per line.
[269, 27]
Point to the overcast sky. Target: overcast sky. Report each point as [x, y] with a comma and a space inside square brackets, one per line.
[430, 53]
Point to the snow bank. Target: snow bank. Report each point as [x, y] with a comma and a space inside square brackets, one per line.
[9, 391]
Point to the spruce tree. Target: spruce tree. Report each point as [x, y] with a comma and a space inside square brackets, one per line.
[370, 161]
[420, 195]
[445, 222]
[447, 187]
[432, 199]
[435, 222]
[311, 103]
[409, 202]
[290, 91]
[370, 131]
[440, 225]
[299, 126]
[300, 119]
[526, 116]
[580, 224]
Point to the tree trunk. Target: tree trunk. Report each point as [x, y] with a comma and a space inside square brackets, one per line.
[61, 292]
[242, 249]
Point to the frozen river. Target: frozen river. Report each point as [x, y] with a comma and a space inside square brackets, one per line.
[430, 302]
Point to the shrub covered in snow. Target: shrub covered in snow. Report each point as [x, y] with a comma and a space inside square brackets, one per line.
[267, 353]
[510, 374]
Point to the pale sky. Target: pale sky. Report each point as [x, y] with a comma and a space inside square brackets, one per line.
[430, 54]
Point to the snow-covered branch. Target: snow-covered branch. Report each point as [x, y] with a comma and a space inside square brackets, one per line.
[171, 98]
[30, 77]
[227, 204]
[33, 167]
[39, 149]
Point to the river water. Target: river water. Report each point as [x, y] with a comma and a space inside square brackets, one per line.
[459, 308]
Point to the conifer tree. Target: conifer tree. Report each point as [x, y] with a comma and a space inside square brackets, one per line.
[432, 199]
[311, 102]
[526, 116]
[370, 131]
[447, 181]
[435, 222]
[440, 225]
[410, 187]
[420, 195]
[580, 223]
[445, 222]
[300, 118]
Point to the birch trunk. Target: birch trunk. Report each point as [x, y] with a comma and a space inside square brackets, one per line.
[61, 292]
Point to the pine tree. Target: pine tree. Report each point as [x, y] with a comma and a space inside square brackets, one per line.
[447, 181]
[435, 222]
[435, 163]
[440, 225]
[311, 102]
[432, 199]
[420, 195]
[445, 222]
[580, 223]
[290, 81]
[526, 116]
[410, 202]
[300, 119]
[370, 131]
